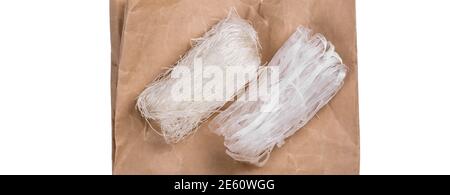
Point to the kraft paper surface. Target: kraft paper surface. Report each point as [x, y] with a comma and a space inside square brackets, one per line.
[150, 35]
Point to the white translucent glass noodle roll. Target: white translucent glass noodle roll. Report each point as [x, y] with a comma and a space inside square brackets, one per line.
[231, 43]
[310, 74]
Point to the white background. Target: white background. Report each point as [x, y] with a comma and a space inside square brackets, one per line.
[55, 72]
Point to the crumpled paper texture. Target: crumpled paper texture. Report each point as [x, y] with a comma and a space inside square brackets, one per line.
[149, 35]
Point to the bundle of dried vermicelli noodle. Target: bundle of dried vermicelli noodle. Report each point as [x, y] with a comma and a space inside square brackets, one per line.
[311, 73]
[232, 42]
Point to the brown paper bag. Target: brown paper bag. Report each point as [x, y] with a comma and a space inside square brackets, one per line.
[117, 14]
[157, 32]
